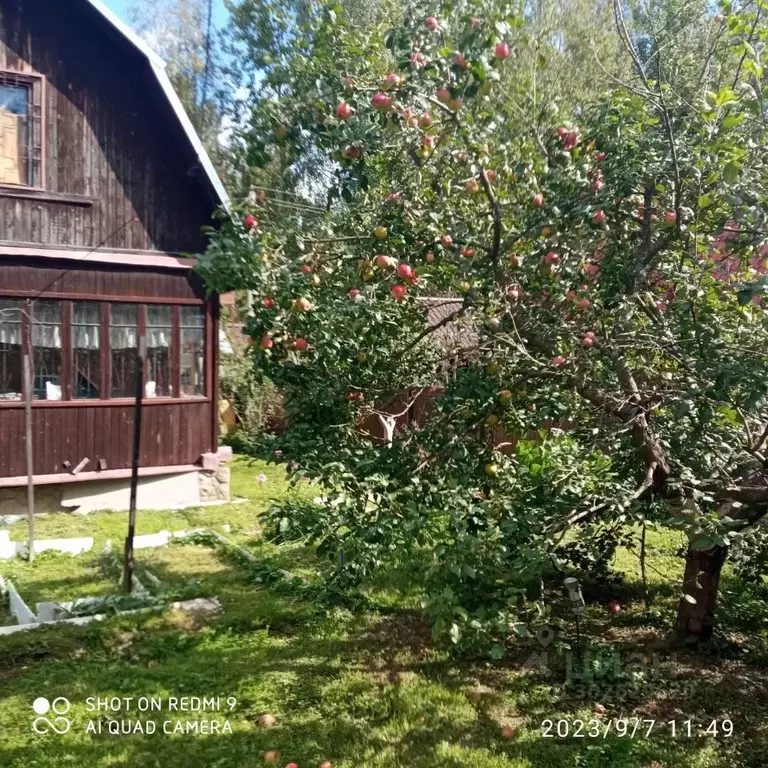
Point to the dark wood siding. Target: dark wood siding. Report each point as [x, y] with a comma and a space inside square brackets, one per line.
[173, 434]
[119, 173]
[52, 278]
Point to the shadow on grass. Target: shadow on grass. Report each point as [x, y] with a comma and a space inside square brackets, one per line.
[359, 689]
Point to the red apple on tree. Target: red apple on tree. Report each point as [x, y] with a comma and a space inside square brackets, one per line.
[444, 95]
[380, 233]
[515, 261]
[432, 24]
[599, 217]
[472, 186]
[467, 252]
[599, 709]
[399, 291]
[670, 217]
[266, 342]
[354, 293]
[302, 304]
[425, 121]
[538, 199]
[250, 222]
[343, 111]
[301, 344]
[430, 257]
[405, 271]
[306, 269]
[446, 241]
[501, 51]
[614, 607]
[459, 61]
[267, 302]
[392, 80]
[381, 101]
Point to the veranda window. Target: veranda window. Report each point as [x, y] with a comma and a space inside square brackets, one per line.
[123, 337]
[10, 349]
[192, 326]
[46, 346]
[86, 350]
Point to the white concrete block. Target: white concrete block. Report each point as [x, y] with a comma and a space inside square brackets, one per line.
[7, 547]
[198, 605]
[19, 608]
[67, 546]
[48, 611]
[148, 540]
[159, 492]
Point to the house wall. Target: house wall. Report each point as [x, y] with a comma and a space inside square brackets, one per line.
[118, 174]
[118, 177]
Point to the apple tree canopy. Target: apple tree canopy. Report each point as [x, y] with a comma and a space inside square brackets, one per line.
[607, 262]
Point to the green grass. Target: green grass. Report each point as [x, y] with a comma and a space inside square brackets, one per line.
[359, 689]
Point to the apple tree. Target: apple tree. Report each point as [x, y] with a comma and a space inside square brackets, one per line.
[606, 269]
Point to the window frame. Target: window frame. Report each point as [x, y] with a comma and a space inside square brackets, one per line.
[35, 83]
[104, 399]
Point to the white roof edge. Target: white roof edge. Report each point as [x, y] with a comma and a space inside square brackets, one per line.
[158, 67]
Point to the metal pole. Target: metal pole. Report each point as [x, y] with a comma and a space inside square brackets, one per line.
[26, 376]
[128, 565]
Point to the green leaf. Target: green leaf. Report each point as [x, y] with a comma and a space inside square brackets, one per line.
[731, 173]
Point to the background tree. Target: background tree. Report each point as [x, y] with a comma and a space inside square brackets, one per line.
[609, 262]
[183, 33]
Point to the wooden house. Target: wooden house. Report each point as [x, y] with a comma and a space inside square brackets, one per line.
[104, 189]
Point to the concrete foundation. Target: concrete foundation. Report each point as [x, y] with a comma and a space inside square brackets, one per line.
[158, 492]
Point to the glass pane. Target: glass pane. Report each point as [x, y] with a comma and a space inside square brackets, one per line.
[192, 322]
[10, 349]
[159, 354]
[193, 317]
[192, 362]
[123, 335]
[14, 134]
[86, 350]
[46, 344]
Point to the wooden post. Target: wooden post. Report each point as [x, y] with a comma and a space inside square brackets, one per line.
[26, 377]
[128, 564]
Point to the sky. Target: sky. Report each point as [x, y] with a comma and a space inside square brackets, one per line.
[120, 7]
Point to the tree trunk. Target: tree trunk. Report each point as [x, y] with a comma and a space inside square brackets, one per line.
[695, 621]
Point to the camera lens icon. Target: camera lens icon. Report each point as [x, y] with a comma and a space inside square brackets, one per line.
[60, 706]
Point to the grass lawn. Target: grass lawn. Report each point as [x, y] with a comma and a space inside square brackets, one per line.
[362, 688]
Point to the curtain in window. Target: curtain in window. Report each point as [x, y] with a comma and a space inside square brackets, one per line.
[123, 338]
[86, 350]
[159, 351]
[10, 349]
[192, 358]
[46, 349]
